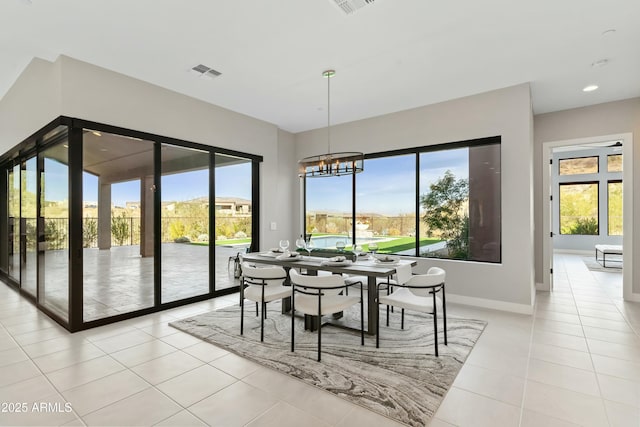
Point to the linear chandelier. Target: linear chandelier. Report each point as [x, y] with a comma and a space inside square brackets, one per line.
[330, 164]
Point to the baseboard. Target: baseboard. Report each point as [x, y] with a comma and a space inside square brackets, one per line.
[489, 303]
[633, 297]
[575, 251]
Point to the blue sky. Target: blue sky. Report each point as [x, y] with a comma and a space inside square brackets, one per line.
[387, 185]
[231, 181]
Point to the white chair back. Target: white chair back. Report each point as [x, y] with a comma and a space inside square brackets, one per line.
[434, 276]
[403, 274]
[317, 281]
[252, 272]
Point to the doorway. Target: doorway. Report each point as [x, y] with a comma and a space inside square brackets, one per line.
[549, 213]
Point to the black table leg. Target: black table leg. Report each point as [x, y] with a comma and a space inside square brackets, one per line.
[372, 307]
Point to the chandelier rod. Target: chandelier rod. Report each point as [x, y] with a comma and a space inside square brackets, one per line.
[329, 74]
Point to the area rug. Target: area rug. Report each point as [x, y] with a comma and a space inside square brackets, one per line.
[613, 265]
[402, 380]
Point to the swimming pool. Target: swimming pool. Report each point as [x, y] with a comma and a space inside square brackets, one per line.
[330, 241]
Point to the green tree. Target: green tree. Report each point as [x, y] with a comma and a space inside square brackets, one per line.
[120, 228]
[89, 232]
[54, 234]
[177, 229]
[445, 212]
[585, 226]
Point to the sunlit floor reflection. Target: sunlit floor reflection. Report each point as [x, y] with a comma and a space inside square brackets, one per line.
[119, 280]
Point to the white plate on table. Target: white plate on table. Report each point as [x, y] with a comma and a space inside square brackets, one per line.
[271, 254]
[336, 263]
[393, 263]
[293, 256]
[386, 260]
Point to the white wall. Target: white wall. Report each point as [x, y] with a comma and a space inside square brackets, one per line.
[505, 112]
[603, 119]
[73, 88]
[32, 102]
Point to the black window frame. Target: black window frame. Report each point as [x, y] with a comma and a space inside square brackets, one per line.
[597, 183]
[492, 140]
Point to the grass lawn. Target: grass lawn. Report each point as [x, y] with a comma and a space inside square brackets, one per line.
[224, 242]
[391, 246]
[399, 244]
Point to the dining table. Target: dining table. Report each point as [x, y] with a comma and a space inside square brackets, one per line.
[370, 267]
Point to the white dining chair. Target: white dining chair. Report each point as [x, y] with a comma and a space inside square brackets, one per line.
[318, 296]
[422, 293]
[262, 285]
[402, 275]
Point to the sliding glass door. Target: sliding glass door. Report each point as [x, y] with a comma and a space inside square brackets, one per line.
[28, 221]
[233, 214]
[54, 247]
[102, 224]
[184, 208]
[13, 184]
[118, 224]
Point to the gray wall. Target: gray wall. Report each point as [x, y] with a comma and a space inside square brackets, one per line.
[505, 112]
[602, 119]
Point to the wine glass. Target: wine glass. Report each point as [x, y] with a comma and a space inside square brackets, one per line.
[301, 243]
[284, 244]
[373, 247]
[340, 244]
[357, 250]
[310, 246]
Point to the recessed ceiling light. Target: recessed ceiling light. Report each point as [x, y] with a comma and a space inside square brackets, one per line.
[600, 63]
[590, 88]
[96, 133]
[65, 146]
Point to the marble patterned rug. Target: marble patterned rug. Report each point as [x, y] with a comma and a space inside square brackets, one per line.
[402, 380]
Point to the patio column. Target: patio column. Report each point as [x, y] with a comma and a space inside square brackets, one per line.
[104, 214]
[146, 216]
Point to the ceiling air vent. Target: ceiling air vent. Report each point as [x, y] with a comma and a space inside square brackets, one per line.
[350, 6]
[204, 71]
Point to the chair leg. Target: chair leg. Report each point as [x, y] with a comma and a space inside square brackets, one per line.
[388, 314]
[435, 324]
[256, 308]
[319, 335]
[262, 323]
[241, 316]
[293, 317]
[402, 319]
[361, 316]
[319, 324]
[444, 316]
[378, 317]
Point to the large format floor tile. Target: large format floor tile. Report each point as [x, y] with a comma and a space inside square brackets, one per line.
[576, 361]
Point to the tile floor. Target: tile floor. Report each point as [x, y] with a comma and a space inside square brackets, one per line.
[575, 362]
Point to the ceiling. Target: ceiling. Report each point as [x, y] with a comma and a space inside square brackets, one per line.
[389, 56]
